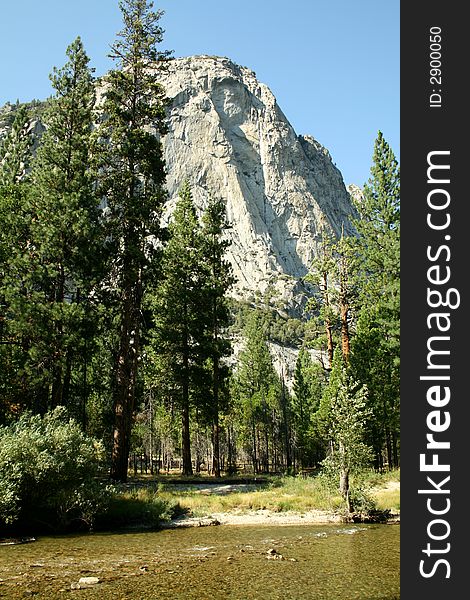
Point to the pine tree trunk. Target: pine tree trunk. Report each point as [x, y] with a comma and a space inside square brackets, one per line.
[124, 388]
[215, 389]
[396, 460]
[216, 449]
[254, 453]
[344, 307]
[67, 379]
[57, 382]
[345, 338]
[186, 441]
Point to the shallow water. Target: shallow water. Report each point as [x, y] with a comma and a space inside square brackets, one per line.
[320, 562]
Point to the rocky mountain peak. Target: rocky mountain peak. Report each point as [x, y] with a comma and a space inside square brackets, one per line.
[229, 138]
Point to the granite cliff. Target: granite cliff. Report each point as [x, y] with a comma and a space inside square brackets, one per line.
[229, 137]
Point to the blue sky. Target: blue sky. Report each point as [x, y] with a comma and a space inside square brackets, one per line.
[332, 64]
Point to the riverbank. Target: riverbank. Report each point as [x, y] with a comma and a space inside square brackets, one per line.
[255, 518]
[286, 501]
[145, 504]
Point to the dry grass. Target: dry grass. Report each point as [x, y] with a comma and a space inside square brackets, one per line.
[387, 499]
[385, 490]
[283, 495]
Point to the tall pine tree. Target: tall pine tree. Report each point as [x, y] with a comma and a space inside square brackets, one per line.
[55, 267]
[309, 380]
[131, 181]
[15, 155]
[256, 386]
[376, 347]
[333, 274]
[218, 281]
[347, 414]
[178, 305]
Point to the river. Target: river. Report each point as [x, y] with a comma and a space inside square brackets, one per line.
[318, 562]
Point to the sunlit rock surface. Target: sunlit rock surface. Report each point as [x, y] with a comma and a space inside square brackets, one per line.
[230, 139]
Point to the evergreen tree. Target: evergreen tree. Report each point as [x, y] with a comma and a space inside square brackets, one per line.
[15, 154]
[15, 151]
[131, 181]
[375, 364]
[309, 380]
[347, 414]
[54, 270]
[333, 274]
[179, 308]
[376, 348]
[218, 281]
[378, 243]
[321, 275]
[256, 387]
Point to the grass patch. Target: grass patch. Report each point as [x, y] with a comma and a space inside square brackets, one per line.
[384, 488]
[387, 499]
[374, 479]
[280, 495]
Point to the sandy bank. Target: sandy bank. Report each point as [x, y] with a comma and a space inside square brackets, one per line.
[258, 517]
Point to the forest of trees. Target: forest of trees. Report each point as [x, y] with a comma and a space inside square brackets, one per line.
[129, 325]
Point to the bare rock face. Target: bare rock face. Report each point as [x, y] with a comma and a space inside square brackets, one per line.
[230, 139]
[356, 193]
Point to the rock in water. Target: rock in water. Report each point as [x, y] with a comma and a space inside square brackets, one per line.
[229, 137]
[86, 581]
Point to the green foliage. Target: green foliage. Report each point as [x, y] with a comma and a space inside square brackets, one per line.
[346, 417]
[378, 244]
[16, 149]
[47, 471]
[56, 236]
[143, 508]
[14, 237]
[8, 111]
[89, 278]
[131, 177]
[218, 279]
[309, 382]
[376, 347]
[332, 274]
[278, 327]
[177, 353]
[259, 395]
[362, 501]
[188, 341]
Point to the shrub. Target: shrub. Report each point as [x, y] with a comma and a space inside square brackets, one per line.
[141, 508]
[47, 471]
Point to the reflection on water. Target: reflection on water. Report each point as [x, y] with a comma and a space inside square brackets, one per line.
[322, 562]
